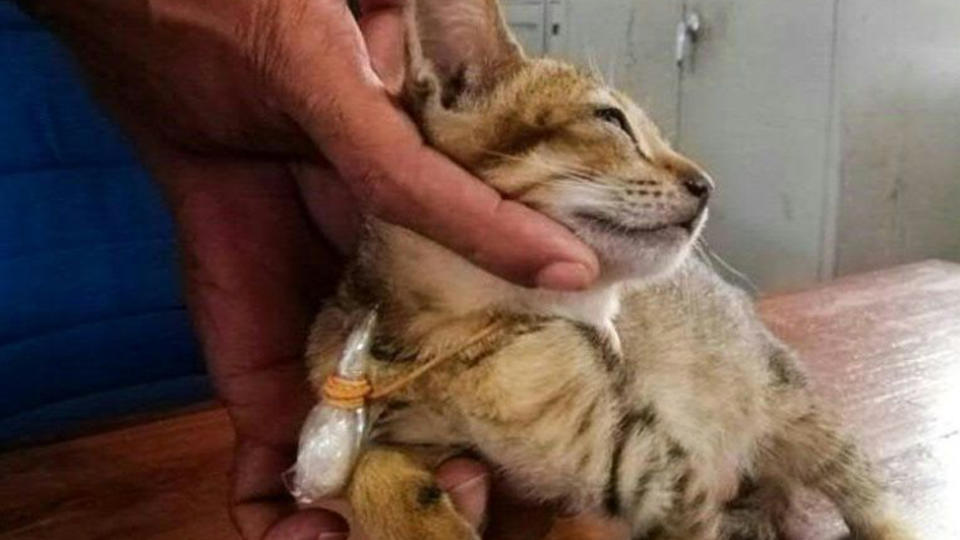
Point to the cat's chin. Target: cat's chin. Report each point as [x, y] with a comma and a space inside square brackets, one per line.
[640, 255]
[644, 257]
[647, 263]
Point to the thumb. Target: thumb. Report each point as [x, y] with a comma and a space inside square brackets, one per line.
[334, 94]
[467, 482]
[309, 525]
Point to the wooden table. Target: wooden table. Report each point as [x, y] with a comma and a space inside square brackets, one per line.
[884, 346]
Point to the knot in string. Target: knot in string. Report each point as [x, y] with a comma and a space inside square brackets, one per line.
[345, 393]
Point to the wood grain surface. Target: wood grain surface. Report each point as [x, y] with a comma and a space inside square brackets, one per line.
[885, 347]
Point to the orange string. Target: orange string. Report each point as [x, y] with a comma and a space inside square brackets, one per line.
[345, 393]
[353, 393]
[400, 382]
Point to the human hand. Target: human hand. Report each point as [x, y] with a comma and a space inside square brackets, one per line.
[256, 269]
[286, 78]
[232, 136]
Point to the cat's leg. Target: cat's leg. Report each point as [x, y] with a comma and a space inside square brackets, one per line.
[394, 495]
[809, 447]
[754, 515]
[758, 512]
[682, 508]
[659, 486]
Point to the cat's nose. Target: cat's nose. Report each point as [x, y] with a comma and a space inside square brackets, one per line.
[698, 183]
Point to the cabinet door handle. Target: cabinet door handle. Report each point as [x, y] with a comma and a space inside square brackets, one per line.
[688, 30]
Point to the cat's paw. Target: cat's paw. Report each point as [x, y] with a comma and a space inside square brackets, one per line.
[394, 497]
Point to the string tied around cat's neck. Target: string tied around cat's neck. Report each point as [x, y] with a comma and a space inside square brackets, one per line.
[334, 433]
[350, 388]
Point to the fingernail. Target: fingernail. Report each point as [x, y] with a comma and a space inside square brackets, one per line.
[565, 276]
[470, 497]
[467, 484]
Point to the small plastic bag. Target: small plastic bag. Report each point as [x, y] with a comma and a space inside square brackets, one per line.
[333, 435]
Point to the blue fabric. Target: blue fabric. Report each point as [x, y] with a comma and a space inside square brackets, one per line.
[92, 323]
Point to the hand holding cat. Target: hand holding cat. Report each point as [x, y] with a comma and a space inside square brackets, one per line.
[301, 82]
[264, 121]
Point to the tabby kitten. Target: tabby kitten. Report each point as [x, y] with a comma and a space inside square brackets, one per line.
[657, 396]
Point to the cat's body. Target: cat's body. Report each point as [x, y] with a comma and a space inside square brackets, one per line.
[661, 429]
[654, 397]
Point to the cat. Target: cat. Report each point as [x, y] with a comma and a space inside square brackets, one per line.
[656, 396]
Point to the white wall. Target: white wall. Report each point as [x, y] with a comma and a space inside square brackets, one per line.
[630, 41]
[755, 111]
[898, 99]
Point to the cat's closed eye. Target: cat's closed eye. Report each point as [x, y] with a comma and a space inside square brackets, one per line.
[618, 118]
[615, 116]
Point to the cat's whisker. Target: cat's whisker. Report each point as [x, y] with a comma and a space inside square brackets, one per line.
[712, 256]
[593, 66]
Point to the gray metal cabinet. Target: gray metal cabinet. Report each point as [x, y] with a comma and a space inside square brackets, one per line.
[898, 116]
[538, 24]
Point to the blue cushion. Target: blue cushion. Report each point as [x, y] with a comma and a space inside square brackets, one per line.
[92, 323]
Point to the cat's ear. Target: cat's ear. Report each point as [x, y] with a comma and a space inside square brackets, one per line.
[456, 47]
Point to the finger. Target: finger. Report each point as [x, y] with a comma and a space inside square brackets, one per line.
[310, 525]
[254, 273]
[467, 482]
[383, 31]
[416, 187]
[348, 111]
[258, 497]
[394, 176]
[261, 507]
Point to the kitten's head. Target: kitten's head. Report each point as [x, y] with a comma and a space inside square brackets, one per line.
[554, 137]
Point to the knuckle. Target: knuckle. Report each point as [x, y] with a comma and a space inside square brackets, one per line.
[371, 186]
